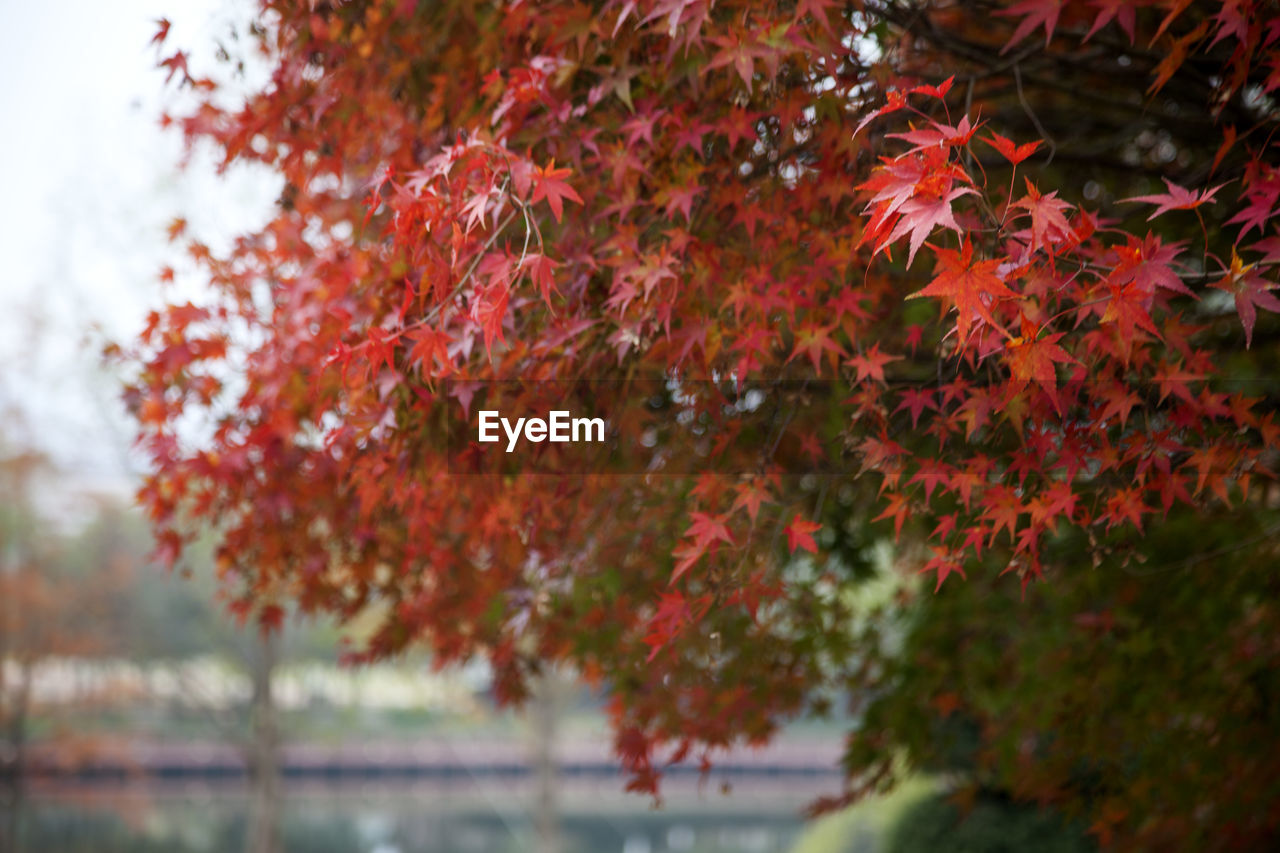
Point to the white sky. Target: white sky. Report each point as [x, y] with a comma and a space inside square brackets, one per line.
[90, 182]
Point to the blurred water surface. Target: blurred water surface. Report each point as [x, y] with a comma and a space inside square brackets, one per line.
[480, 815]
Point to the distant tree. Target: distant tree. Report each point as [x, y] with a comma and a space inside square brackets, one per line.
[50, 611]
[161, 619]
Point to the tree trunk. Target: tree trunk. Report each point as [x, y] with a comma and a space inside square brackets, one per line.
[13, 759]
[263, 753]
[544, 709]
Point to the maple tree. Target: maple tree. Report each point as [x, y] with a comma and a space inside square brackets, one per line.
[1006, 298]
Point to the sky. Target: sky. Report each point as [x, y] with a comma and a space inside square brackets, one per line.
[91, 181]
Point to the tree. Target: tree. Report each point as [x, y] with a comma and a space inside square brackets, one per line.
[1019, 289]
[174, 622]
[53, 608]
[79, 593]
[1137, 698]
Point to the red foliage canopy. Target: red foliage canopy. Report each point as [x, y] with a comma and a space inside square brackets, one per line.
[931, 215]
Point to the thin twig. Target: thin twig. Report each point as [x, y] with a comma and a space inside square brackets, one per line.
[434, 312]
[1197, 559]
[1026, 107]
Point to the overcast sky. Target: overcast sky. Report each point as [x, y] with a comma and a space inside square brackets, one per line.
[90, 184]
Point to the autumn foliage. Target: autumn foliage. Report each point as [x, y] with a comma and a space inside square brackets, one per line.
[1023, 254]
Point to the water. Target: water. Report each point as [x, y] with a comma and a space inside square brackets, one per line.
[458, 816]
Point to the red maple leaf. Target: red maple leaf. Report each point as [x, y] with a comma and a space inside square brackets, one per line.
[913, 195]
[1251, 291]
[687, 555]
[1034, 14]
[1015, 154]
[1177, 198]
[1127, 308]
[751, 495]
[162, 31]
[870, 365]
[1123, 11]
[489, 310]
[549, 185]
[970, 285]
[940, 134]
[1003, 508]
[1231, 20]
[1146, 263]
[916, 400]
[920, 215]
[813, 341]
[1261, 207]
[541, 270]
[666, 622]
[707, 529]
[738, 53]
[1048, 226]
[897, 510]
[931, 473]
[800, 534]
[945, 562]
[1119, 400]
[1032, 360]
[1125, 505]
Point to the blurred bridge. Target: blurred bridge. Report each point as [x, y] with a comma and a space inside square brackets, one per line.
[424, 758]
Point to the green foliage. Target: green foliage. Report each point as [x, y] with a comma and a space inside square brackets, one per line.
[992, 825]
[1146, 683]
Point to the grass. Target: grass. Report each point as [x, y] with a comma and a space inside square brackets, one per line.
[865, 825]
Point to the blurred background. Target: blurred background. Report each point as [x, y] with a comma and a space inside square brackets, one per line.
[135, 714]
